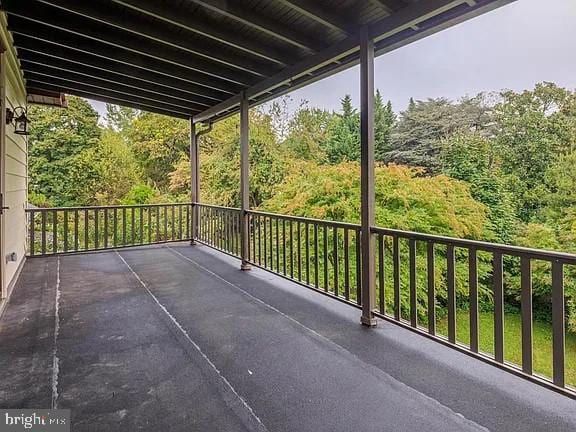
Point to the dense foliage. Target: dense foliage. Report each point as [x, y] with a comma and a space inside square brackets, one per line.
[496, 167]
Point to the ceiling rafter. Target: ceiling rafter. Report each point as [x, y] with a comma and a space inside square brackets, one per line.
[190, 23]
[253, 19]
[36, 73]
[134, 103]
[163, 34]
[52, 66]
[58, 25]
[54, 37]
[312, 10]
[44, 52]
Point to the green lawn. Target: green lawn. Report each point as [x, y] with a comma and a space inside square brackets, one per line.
[542, 334]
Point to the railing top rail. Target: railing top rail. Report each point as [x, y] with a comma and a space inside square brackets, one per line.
[216, 206]
[480, 245]
[50, 209]
[308, 220]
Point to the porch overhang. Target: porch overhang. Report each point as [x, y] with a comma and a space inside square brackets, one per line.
[194, 59]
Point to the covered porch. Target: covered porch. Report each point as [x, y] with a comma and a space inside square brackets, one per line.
[174, 337]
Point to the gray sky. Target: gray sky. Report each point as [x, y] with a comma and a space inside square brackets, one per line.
[513, 47]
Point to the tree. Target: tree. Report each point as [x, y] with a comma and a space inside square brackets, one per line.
[117, 168]
[384, 119]
[534, 129]
[470, 156]
[310, 129]
[420, 128]
[159, 143]
[61, 142]
[120, 119]
[344, 142]
[220, 163]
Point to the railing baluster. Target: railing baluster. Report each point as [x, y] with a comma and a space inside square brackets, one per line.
[105, 228]
[277, 247]
[31, 229]
[291, 250]
[558, 316]
[396, 264]
[96, 233]
[265, 238]
[165, 222]
[382, 299]
[299, 251]
[307, 251]
[498, 307]
[316, 257]
[180, 229]
[115, 227]
[413, 293]
[473, 285]
[141, 225]
[284, 246]
[76, 240]
[325, 247]
[157, 223]
[149, 217]
[346, 264]
[123, 226]
[55, 231]
[43, 232]
[451, 286]
[133, 226]
[335, 257]
[65, 230]
[86, 230]
[526, 312]
[430, 264]
[173, 223]
[358, 269]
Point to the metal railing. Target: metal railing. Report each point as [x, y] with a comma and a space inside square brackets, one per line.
[427, 283]
[458, 292]
[219, 227]
[81, 229]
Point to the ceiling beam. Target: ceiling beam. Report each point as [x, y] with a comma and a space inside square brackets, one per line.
[65, 26]
[116, 16]
[320, 14]
[47, 88]
[47, 75]
[92, 93]
[51, 65]
[257, 21]
[390, 6]
[402, 20]
[46, 53]
[64, 39]
[189, 22]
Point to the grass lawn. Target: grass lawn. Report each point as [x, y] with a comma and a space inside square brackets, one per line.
[542, 347]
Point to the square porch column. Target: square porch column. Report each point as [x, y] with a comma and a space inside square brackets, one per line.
[367, 177]
[244, 182]
[194, 181]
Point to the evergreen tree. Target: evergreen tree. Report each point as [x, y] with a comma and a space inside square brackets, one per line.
[384, 119]
[344, 142]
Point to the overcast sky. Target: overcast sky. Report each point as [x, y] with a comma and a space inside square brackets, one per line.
[513, 47]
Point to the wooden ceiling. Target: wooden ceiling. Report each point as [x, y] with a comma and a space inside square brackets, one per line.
[193, 58]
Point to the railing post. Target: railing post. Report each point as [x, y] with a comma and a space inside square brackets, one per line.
[367, 177]
[194, 183]
[244, 182]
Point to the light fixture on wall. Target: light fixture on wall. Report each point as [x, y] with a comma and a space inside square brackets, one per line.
[20, 120]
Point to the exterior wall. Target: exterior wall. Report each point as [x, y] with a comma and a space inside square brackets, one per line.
[14, 160]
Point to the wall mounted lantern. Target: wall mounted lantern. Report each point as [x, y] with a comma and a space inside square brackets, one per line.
[20, 120]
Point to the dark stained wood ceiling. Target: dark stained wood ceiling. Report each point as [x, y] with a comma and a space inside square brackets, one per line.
[193, 58]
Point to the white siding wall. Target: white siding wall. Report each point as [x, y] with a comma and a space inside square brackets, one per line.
[15, 159]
